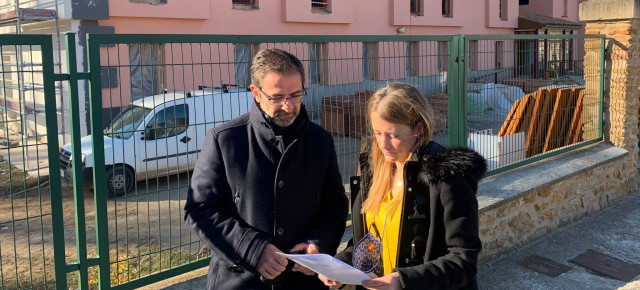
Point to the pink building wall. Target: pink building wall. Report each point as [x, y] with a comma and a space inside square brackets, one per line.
[292, 17]
[295, 17]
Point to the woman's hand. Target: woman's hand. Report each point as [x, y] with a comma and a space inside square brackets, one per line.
[329, 283]
[306, 249]
[387, 282]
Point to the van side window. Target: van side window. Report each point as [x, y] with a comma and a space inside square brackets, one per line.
[169, 122]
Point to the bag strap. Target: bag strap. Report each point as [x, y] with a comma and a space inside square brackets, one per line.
[375, 228]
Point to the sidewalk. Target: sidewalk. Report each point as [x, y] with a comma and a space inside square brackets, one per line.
[614, 231]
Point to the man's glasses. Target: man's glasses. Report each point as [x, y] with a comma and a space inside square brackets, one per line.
[280, 100]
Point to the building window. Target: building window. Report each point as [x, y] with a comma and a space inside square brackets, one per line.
[242, 55]
[370, 60]
[504, 10]
[499, 53]
[146, 64]
[473, 55]
[416, 7]
[245, 4]
[443, 57]
[320, 5]
[570, 65]
[447, 8]
[317, 71]
[412, 58]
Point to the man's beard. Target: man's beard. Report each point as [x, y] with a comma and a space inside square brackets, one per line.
[282, 121]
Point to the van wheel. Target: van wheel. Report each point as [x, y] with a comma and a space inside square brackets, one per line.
[120, 180]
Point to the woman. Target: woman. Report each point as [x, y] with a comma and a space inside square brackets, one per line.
[416, 198]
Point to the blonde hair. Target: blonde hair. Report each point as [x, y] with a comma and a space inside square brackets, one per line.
[397, 103]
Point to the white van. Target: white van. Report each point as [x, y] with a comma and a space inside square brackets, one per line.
[157, 136]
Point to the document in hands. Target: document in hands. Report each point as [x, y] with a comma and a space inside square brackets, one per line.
[329, 267]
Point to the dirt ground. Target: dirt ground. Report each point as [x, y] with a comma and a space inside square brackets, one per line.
[139, 226]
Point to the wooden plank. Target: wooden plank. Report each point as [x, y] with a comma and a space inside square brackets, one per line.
[573, 128]
[548, 101]
[555, 123]
[575, 133]
[507, 121]
[524, 126]
[533, 125]
[579, 129]
[552, 128]
[516, 119]
[521, 115]
[567, 117]
[547, 109]
[565, 121]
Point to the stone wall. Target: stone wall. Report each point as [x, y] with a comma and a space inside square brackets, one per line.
[621, 85]
[511, 217]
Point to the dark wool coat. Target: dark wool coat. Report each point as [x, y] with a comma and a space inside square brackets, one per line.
[248, 190]
[439, 243]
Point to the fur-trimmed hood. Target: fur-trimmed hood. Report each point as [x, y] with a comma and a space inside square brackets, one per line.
[439, 163]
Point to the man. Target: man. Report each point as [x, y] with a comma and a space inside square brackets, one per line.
[267, 182]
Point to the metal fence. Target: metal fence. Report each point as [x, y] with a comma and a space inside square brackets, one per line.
[516, 99]
[202, 81]
[529, 97]
[30, 198]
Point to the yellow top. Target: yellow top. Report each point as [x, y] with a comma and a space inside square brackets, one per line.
[389, 232]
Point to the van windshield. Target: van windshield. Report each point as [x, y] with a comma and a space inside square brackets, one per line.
[126, 123]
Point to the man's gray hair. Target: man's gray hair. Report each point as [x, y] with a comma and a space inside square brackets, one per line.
[277, 60]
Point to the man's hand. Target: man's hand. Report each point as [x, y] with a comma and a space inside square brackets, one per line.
[271, 264]
[386, 282]
[306, 249]
[329, 283]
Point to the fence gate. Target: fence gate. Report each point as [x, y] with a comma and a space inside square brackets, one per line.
[141, 83]
[30, 191]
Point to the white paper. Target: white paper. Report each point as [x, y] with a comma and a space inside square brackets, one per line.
[329, 267]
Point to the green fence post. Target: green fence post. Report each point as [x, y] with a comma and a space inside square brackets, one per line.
[57, 218]
[97, 146]
[452, 121]
[456, 90]
[601, 88]
[76, 161]
[462, 91]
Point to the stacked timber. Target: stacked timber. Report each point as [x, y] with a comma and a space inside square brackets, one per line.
[550, 118]
[346, 115]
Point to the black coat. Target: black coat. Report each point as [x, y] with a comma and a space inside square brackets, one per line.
[439, 243]
[249, 189]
